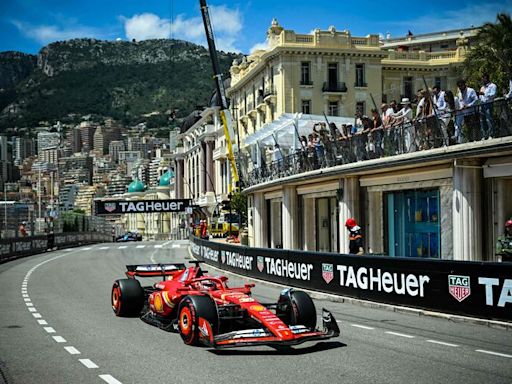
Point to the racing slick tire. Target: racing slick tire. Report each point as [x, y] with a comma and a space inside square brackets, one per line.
[190, 310]
[297, 308]
[127, 297]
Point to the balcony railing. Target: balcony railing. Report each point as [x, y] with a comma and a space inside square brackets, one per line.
[483, 121]
[334, 87]
[270, 91]
[306, 82]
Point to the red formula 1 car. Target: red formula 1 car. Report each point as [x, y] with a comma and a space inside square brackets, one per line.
[205, 311]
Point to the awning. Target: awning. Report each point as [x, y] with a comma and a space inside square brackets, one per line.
[284, 130]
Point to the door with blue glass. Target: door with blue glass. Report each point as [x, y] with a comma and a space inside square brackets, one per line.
[414, 223]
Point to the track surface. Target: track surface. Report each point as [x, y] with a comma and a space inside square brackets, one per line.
[57, 326]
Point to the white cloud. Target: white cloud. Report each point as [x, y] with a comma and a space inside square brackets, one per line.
[147, 26]
[227, 23]
[258, 46]
[45, 34]
[464, 17]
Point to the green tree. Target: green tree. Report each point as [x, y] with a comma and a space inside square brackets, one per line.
[239, 205]
[491, 53]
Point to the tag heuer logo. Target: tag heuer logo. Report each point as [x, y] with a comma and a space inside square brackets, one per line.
[110, 207]
[261, 263]
[223, 257]
[459, 286]
[327, 272]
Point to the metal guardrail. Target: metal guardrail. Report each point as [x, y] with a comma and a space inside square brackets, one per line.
[489, 120]
[459, 287]
[11, 249]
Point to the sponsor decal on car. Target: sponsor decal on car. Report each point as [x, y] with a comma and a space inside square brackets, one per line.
[261, 263]
[246, 299]
[158, 303]
[327, 272]
[257, 308]
[459, 287]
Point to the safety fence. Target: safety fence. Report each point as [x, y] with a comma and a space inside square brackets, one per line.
[337, 147]
[11, 249]
[474, 289]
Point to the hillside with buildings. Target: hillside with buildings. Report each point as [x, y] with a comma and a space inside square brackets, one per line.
[123, 80]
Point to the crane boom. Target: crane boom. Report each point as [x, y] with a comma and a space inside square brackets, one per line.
[225, 114]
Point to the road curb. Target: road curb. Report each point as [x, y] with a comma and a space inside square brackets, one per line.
[372, 304]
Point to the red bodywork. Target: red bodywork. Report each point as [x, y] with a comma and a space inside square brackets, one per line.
[165, 296]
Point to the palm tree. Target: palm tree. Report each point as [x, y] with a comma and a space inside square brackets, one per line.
[492, 52]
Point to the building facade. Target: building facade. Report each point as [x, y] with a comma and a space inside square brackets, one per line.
[419, 197]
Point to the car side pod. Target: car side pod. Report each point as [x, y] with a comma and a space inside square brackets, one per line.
[330, 324]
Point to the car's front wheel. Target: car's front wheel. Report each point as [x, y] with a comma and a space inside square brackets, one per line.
[191, 309]
[127, 297]
[297, 308]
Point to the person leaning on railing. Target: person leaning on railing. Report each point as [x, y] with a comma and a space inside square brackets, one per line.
[468, 99]
[487, 95]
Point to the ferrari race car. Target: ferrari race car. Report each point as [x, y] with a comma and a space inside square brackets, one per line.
[129, 236]
[205, 311]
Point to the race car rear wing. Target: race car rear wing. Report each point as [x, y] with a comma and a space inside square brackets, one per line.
[154, 270]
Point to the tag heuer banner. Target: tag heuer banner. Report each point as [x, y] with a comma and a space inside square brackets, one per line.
[461, 287]
[141, 206]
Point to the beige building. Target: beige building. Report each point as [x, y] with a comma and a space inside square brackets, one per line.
[419, 195]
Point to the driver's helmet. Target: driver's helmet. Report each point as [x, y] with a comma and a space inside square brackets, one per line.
[208, 284]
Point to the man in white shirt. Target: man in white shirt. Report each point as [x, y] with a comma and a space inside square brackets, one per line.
[467, 99]
[438, 97]
[487, 95]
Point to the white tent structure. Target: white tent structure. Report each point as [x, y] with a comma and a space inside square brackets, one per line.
[286, 131]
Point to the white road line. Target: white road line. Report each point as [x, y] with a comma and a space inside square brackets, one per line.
[49, 329]
[72, 350]
[494, 353]
[59, 339]
[37, 315]
[29, 304]
[68, 250]
[42, 322]
[140, 246]
[32, 309]
[400, 334]
[26, 298]
[175, 245]
[86, 249]
[122, 247]
[104, 247]
[88, 363]
[158, 245]
[109, 379]
[361, 326]
[442, 343]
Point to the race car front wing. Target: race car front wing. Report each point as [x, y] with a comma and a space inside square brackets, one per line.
[261, 336]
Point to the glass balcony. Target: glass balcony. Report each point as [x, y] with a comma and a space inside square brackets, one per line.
[480, 122]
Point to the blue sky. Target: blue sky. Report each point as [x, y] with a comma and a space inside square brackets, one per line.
[28, 25]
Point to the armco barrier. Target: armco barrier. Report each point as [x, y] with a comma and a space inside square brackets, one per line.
[11, 249]
[465, 288]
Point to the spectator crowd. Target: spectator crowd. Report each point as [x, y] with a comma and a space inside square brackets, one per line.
[440, 118]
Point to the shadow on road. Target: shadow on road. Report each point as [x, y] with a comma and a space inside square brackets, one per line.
[319, 347]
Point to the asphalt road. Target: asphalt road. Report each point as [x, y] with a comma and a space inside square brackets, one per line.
[57, 326]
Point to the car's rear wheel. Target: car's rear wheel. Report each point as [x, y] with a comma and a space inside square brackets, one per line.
[190, 310]
[297, 308]
[127, 297]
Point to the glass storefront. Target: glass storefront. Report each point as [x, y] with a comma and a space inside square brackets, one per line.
[413, 223]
